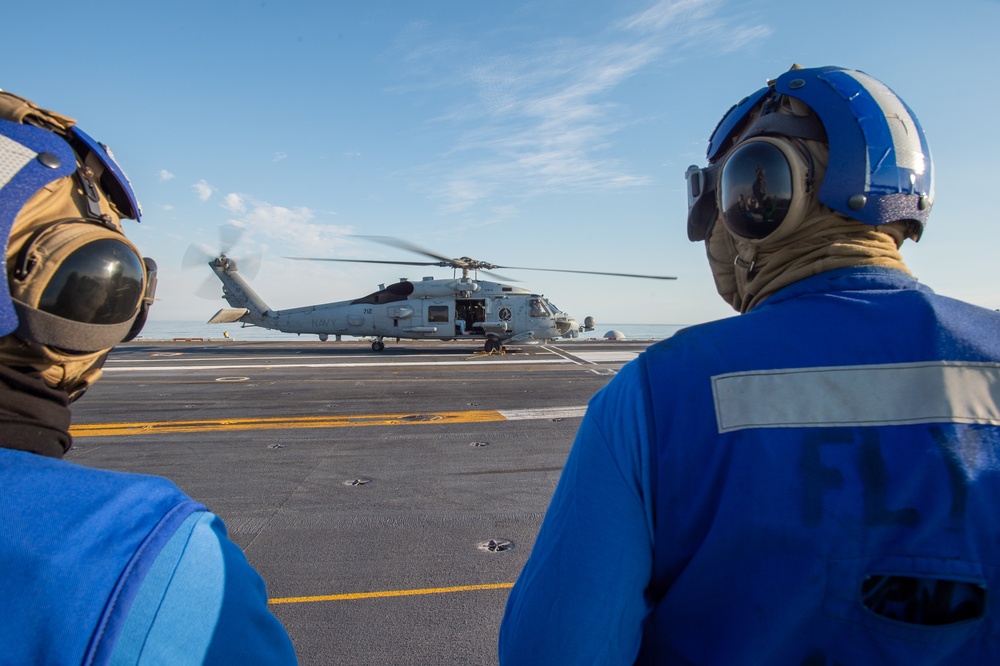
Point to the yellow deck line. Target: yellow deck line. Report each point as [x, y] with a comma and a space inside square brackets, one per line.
[276, 422]
[390, 593]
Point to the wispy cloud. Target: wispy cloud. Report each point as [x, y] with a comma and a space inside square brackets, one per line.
[234, 203]
[668, 13]
[687, 24]
[203, 190]
[165, 175]
[544, 119]
[295, 228]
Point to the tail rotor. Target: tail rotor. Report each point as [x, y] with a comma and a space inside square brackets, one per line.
[199, 254]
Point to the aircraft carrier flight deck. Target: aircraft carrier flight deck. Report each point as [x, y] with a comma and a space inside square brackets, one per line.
[388, 499]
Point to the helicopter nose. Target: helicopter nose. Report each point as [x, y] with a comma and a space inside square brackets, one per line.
[567, 327]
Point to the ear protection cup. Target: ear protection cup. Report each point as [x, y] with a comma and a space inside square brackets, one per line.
[77, 285]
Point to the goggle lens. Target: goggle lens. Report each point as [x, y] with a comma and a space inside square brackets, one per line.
[99, 283]
[755, 189]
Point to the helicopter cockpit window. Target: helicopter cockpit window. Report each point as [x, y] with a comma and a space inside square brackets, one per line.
[552, 307]
[536, 308]
[391, 294]
[437, 314]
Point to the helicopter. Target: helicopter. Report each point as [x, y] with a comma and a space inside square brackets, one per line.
[461, 308]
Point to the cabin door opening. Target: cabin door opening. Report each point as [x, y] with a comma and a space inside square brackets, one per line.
[469, 315]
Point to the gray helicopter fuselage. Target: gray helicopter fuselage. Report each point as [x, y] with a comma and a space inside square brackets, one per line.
[437, 309]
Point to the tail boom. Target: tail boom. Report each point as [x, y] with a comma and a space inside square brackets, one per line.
[239, 295]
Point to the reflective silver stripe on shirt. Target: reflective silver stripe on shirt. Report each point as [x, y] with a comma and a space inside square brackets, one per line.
[13, 157]
[867, 395]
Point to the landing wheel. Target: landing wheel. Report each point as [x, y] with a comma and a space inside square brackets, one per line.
[378, 345]
[492, 345]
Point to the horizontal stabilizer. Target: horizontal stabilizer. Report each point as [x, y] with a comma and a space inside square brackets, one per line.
[228, 315]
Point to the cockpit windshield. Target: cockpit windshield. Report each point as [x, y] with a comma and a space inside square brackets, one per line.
[538, 307]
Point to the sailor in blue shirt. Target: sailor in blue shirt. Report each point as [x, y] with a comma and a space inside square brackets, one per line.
[816, 480]
[96, 567]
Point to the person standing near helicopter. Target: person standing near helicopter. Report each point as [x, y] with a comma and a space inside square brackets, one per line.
[96, 566]
[816, 480]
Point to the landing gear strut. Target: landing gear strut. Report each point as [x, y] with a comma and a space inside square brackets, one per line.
[378, 345]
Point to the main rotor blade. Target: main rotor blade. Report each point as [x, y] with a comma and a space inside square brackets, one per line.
[560, 270]
[372, 261]
[481, 266]
[496, 276]
[440, 264]
[410, 247]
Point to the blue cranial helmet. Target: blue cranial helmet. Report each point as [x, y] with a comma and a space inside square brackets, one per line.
[94, 288]
[879, 169]
[30, 158]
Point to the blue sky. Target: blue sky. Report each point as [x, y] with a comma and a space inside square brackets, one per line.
[550, 134]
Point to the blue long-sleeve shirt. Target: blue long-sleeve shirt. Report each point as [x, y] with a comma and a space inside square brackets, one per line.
[790, 486]
[100, 567]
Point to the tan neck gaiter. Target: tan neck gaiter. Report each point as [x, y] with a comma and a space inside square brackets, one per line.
[747, 273]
